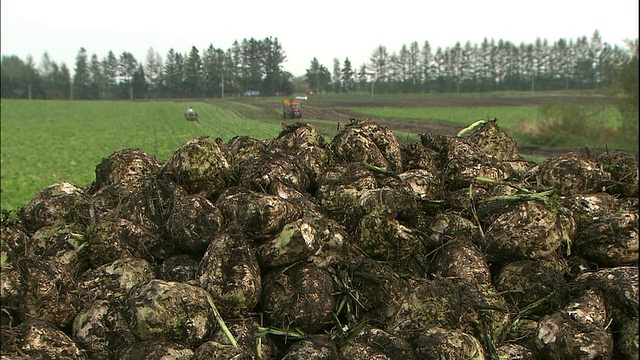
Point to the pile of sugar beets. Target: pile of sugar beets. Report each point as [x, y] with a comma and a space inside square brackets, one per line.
[452, 247]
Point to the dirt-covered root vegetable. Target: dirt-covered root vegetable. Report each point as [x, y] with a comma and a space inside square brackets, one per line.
[511, 351]
[61, 202]
[110, 197]
[271, 171]
[303, 141]
[518, 169]
[464, 162]
[562, 338]
[492, 140]
[588, 308]
[626, 342]
[127, 167]
[170, 310]
[249, 344]
[242, 148]
[460, 200]
[440, 343]
[619, 288]
[299, 296]
[49, 293]
[339, 189]
[13, 238]
[423, 185]
[611, 239]
[100, 330]
[443, 226]
[60, 245]
[533, 287]
[230, 272]
[114, 238]
[366, 141]
[193, 221]
[297, 135]
[37, 339]
[571, 173]
[112, 281]
[332, 238]
[296, 242]
[181, 268]
[155, 349]
[200, 166]
[13, 245]
[577, 331]
[374, 343]
[389, 201]
[476, 309]
[435, 141]
[461, 258]
[529, 230]
[150, 204]
[257, 214]
[623, 167]
[418, 156]
[385, 238]
[316, 347]
[11, 293]
[524, 332]
[585, 207]
[368, 289]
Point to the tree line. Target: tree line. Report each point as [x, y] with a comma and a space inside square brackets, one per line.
[251, 64]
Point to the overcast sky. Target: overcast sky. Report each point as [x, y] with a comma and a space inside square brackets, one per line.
[324, 29]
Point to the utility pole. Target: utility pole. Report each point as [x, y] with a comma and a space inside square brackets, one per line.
[222, 85]
[372, 75]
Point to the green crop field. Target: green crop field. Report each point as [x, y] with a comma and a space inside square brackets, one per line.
[44, 142]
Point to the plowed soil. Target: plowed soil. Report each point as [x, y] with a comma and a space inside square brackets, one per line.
[338, 111]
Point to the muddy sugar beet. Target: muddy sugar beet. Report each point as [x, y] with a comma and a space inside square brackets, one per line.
[356, 248]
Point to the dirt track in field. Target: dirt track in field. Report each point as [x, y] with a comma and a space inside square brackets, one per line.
[338, 111]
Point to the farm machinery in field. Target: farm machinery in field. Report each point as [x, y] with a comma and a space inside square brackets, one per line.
[191, 115]
[291, 109]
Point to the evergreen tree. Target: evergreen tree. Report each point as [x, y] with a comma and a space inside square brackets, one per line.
[139, 84]
[46, 70]
[312, 75]
[111, 74]
[82, 76]
[232, 68]
[172, 74]
[153, 72]
[337, 83]
[413, 67]
[380, 66]
[193, 73]
[127, 65]
[98, 80]
[62, 79]
[426, 65]
[348, 76]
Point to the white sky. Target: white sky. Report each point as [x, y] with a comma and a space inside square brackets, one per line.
[324, 29]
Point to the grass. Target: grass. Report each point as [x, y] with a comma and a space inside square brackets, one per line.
[508, 116]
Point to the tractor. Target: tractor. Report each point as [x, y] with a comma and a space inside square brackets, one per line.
[291, 109]
[191, 115]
